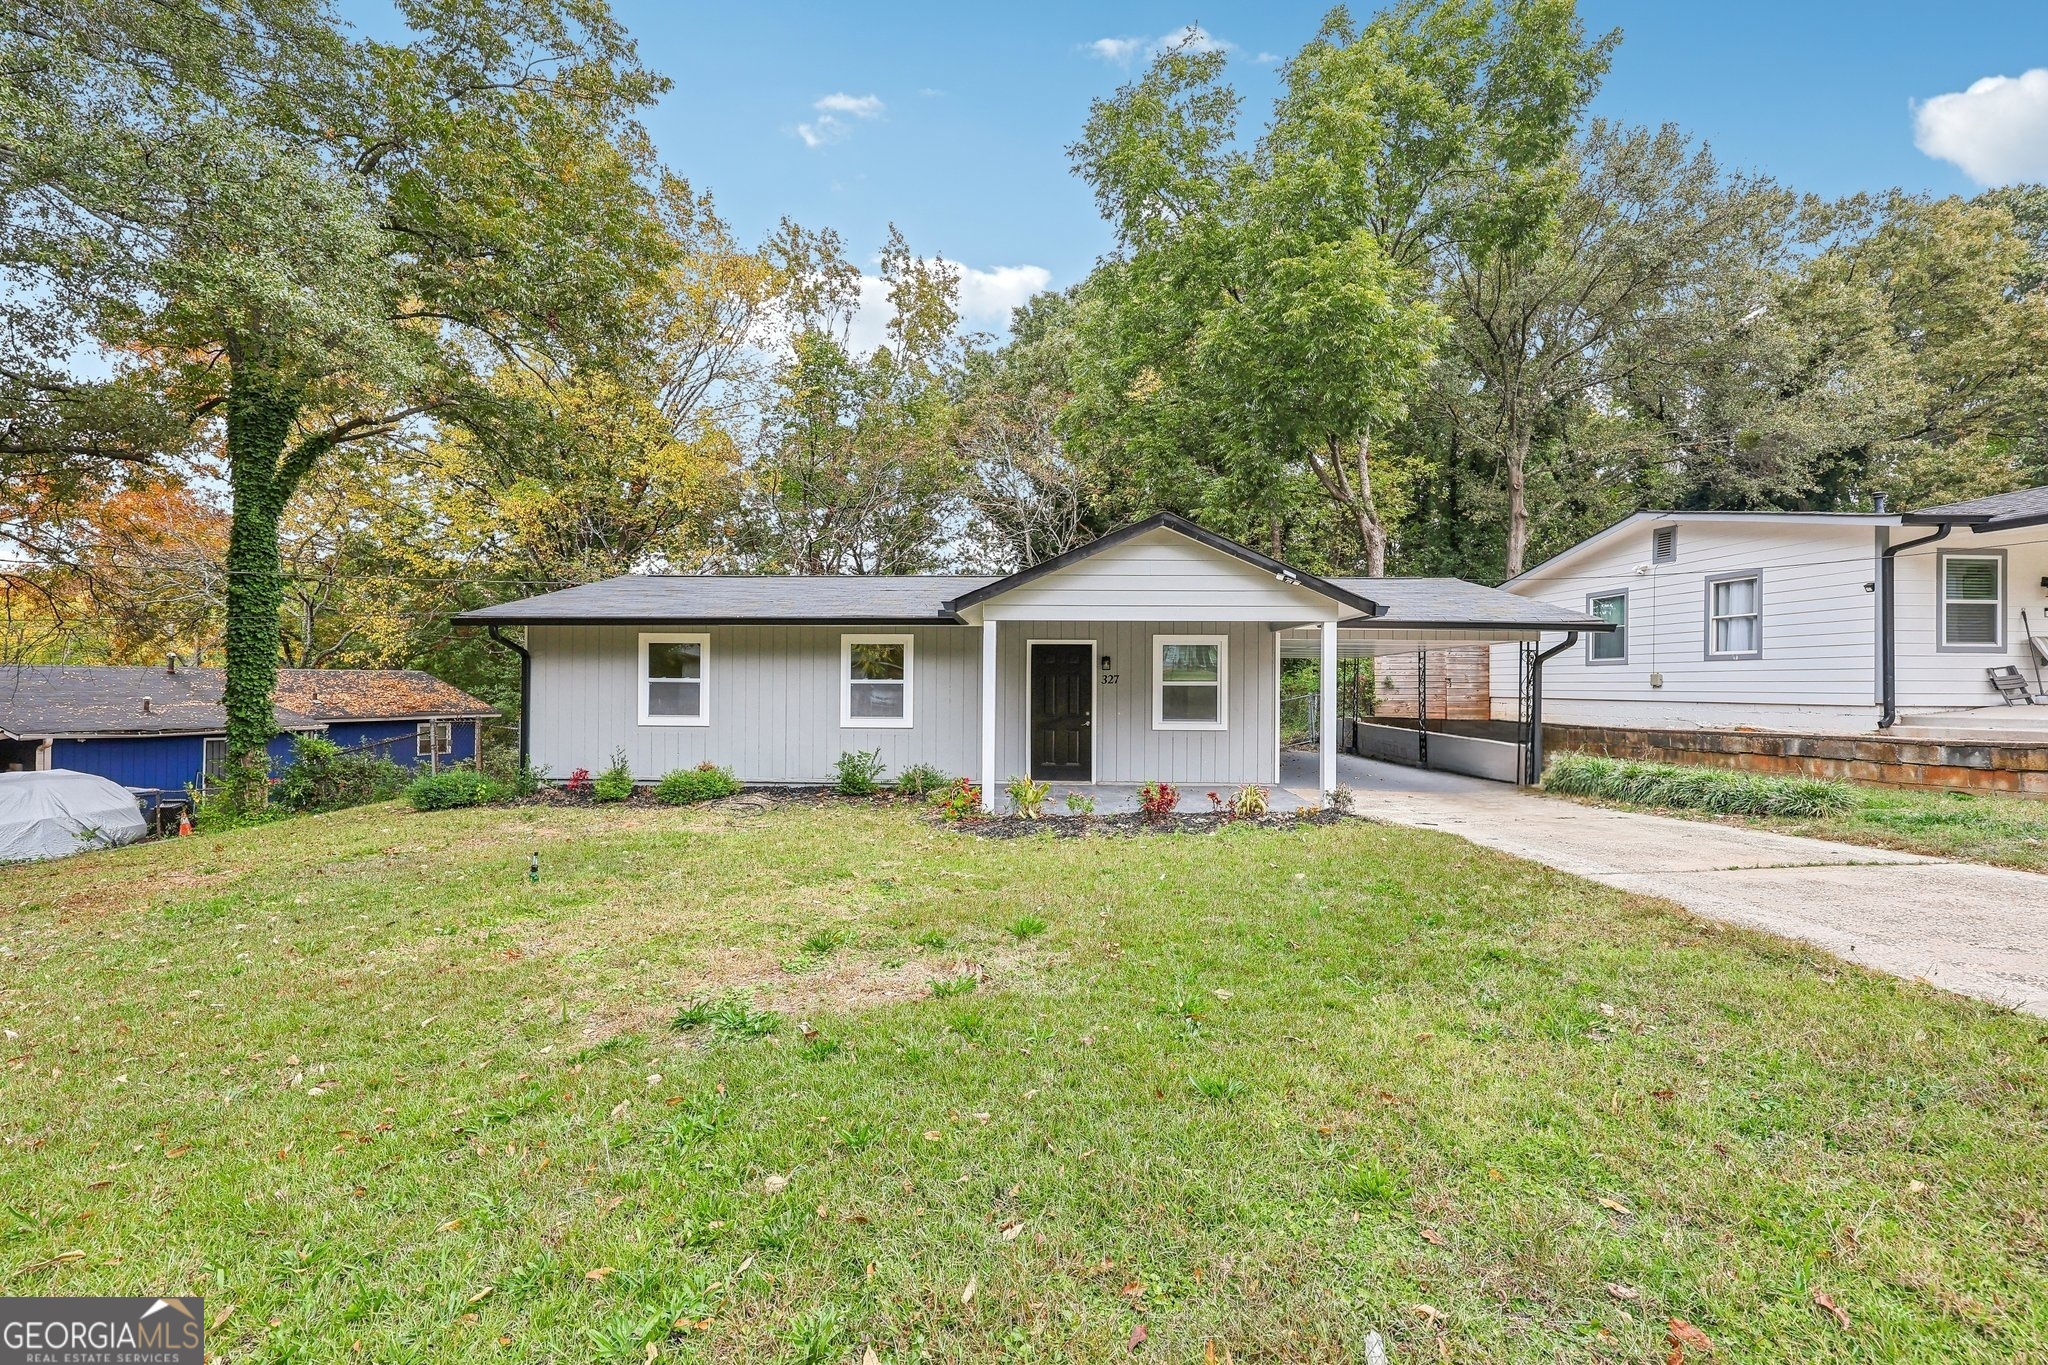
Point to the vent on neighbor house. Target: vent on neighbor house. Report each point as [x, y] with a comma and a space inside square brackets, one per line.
[1664, 545]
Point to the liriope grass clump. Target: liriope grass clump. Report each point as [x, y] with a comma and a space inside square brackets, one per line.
[1677, 787]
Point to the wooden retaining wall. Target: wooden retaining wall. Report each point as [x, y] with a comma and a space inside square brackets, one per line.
[1957, 764]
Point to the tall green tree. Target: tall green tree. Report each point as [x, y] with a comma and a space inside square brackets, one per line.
[296, 239]
[1270, 310]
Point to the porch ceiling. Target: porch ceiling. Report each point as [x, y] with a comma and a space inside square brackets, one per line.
[1369, 642]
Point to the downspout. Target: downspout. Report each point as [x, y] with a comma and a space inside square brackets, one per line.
[1571, 637]
[1888, 641]
[525, 694]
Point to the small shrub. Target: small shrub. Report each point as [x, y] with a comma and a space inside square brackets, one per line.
[860, 772]
[578, 783]
[615, 783]
[688, 786]
[961, 801]
[1158, 800]
[922, 780]
[1249, 803]
[1341, 799]
[503, 767]
[1080, 803]
[1027, 926]
[1027, 797]
[324, 776]
[448, 790]
[1679, 787]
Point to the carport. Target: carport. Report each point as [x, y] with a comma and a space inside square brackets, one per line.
[1419, 616]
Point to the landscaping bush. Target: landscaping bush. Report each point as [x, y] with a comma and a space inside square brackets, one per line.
[1158, 800]
[455, 787]
[687, 786]
[1080, 803]
[1677, 787]
[922, 779]
[614, 783]
[1249, 803]
[860, 772]
[961, 801]
[324, 776]
[1027, 798]
[502, 766]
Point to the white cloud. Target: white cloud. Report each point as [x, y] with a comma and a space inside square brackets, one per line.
[1267, 59]
[1996, 131]
[835, 112]
[986, 298]
[1124, 51]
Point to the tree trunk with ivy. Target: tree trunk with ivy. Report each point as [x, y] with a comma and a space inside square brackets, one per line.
[263, 469]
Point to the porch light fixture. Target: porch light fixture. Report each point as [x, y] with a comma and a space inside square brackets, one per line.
[1107, 666]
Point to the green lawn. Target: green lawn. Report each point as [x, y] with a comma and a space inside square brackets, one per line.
[1975, 827]
[357, 1082]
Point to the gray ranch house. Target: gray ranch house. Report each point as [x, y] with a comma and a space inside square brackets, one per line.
[1151, 653]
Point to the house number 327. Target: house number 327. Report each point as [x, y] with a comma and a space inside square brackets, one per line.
[1108, 678]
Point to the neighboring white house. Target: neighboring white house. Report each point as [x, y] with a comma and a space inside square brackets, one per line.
[1778, 620]
[1151, 653]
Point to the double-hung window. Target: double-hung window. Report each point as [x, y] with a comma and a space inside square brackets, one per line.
[1608, 646]
[433, 739]
[874, 681]
[1190, 676]
[213, 758]
[674, 679]
[1973, 602]
[1735, 616]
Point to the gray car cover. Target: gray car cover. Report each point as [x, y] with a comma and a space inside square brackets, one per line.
[50, 814]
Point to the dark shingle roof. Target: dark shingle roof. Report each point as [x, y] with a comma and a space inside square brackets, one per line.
[659, 599]
[72, 700]
[2022, 507]
[713, 600]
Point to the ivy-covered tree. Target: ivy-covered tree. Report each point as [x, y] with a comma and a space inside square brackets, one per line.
[293, 239]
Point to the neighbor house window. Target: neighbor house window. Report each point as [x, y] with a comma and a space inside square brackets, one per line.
[673, 679]
[1735, 616]
[1973, 602]
[1608, 646]
[1188, 681]
[434, 739]
[874, 680]
[213, 759]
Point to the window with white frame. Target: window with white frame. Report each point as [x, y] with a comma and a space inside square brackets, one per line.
[1608, 646]
[1972, 601]
[213, 757]
[874, 680]
[673, 679]
[1735, 616]
[1190, 677]
[434, 739]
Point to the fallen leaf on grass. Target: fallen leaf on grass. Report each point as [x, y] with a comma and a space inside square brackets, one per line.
[652, 1352]
[1428, 1312]
[1826, 1303]
[598, 1274]
[967, 1294]
[450, 1225]
[868, 1357]
[1623, 1292]
[1138, 1335]
[619, 1110]
[1617, 1206]
[1433, 1237]
[179, 1151]
[932, 1135]
[221, 1320]
[1011, 1229]
[1684, 1336]
[775, 1184]
[483, 1293]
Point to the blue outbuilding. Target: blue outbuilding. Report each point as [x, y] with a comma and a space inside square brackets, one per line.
[163, 729]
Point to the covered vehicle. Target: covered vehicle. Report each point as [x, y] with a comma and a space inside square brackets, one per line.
[50, 814]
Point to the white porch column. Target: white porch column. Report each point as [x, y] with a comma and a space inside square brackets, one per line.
[1326, 686]
[988, 715]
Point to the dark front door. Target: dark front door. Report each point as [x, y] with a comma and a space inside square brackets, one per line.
[1062, 700]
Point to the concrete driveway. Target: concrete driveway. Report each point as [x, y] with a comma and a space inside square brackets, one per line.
[1976, 930]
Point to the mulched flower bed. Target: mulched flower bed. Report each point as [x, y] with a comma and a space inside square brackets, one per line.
[759, 796]
[1134, 822]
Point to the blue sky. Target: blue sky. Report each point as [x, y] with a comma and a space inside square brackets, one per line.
[952, 120]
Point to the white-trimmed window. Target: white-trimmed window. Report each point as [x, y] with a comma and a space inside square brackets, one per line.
[1735, 616]
[674, 679]
[1608, 646]
[433, 739]
[874, 681]
[1973, 602]
[213, 757]
[1190, 682]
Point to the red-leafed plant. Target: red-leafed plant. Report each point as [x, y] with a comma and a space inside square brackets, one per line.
[1158, 800]
[961, 801]
[579, 781]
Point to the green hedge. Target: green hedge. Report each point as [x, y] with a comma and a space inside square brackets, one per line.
[457, 787]
[687, 786]
[1679, 787]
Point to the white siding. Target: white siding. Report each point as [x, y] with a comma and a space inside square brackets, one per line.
[1932, 679]
[1163, 576]
[1819, 663]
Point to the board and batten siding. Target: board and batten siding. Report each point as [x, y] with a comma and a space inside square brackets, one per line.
[1819, 661]
[1127, 748]
[1930, 678]
[773, 703]
[1164, 574]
